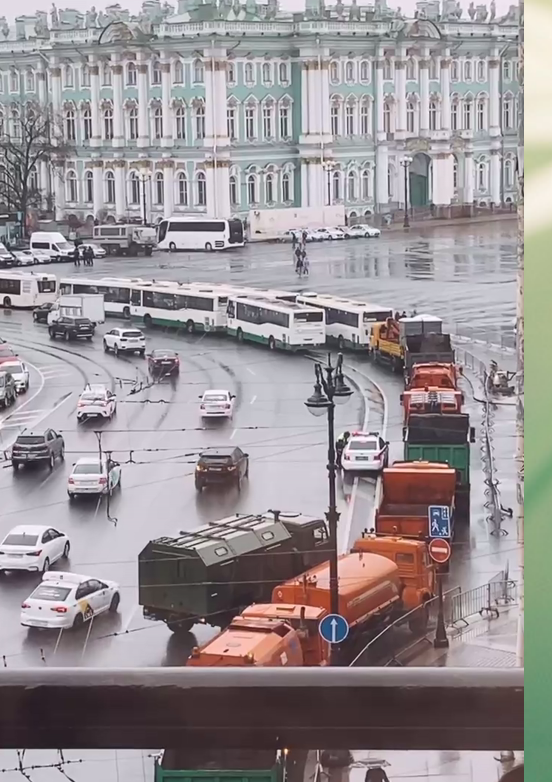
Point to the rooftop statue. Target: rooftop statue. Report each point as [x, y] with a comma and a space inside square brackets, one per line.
[354, 11]
[481, 13]
[91, 19]
[471, 10]
[54, 18]
[493, 11]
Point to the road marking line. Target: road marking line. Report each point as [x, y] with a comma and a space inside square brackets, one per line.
[250, 371]
[253, 399]
[233, 434]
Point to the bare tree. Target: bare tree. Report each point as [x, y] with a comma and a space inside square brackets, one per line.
[29, 135]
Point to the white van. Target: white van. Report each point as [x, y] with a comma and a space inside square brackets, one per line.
[54, 244]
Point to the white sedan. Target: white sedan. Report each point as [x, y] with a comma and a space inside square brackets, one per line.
[24, 257]
[65, 600]
[33, 548]
[20, 373]
[217, 404]
[96, 401]
[363, 232]
[125, 341]
[365, 451]
[94, 475]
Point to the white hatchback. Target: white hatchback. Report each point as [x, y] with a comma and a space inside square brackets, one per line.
[365, 451]
[96, 401]
[125, 341]
[33, 548]
[92, 475]
[65, 600]
[217, 404]
[20, 373]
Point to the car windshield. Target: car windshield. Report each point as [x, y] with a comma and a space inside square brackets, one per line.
[19, 539]
[215, 398]
[87, 469]
[29, 439]
[44, 592]
[91, 397]
[363, 445]
[82, 321]
[132, 334]
[163, 354]
[215, 458]
[14, 368]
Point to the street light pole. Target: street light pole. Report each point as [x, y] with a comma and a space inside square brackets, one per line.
[405, 163]
[330, 390]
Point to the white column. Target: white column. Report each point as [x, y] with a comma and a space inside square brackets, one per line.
[424, 95]
[212, 204]
[167, 140]
[168, 189]
[55, 81]
[41, 83]
[442, 179]
[43, 178]
[222, 183]
[445, 93]
[304, 183]
[95, 141]
[382, 157]
[325, 98]
[305, 111]
[120, 193]
[469, 179]
[97, 173]
[495, 177]
[315, 98]
[494, 97]
[118, 127]
[400, 96]
[143, 108]
[59, 192]
[317, 191]
[216, 127]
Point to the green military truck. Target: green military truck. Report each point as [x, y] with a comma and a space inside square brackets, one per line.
[444, 438]
[211, 573]
[229, 766]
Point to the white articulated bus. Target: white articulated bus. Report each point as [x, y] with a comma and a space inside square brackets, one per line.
[116, 292]
[348, 321]
[25, 290]
[196, 233]
[190, 307]
[278, 324]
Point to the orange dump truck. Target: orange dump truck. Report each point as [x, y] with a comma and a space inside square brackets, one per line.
[434, 375]
[431, 400]
[408, 490]
[251, 641]
[305, 620]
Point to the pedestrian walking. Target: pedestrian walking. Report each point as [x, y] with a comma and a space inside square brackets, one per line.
[304, 261]
[293, 240]
[89, 256]
[298, 256]
[76, 256]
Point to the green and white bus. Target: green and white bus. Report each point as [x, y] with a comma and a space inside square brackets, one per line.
[348, 321]
[194, 308]
[278, 324]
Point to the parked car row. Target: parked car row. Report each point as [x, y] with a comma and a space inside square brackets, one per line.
[46, 248]
[334, 233]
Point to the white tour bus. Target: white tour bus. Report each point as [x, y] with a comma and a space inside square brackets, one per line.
[195, 233]
[116, 292]
[26, 289]
[348, 321]
[278, 324]
[190, 307]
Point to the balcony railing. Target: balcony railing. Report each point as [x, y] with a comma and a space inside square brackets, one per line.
[387, 708]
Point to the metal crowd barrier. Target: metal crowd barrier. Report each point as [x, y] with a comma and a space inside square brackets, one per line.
[483, 600]
[301, 708]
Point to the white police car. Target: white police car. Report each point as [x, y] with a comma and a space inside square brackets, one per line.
[365, 451]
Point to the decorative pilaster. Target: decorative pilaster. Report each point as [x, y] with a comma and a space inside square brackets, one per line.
[120, 190]
[382, 157]
[445, 93]
[95, 141]
[97, 174]
[495, 177]
[469, 178]
[494, 97]
[143, 108]
[424, 97]
[168, 188]
[167, 140]
[400, 96]
[118, 126]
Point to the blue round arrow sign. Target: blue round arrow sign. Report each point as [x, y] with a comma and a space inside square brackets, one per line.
[334, 628]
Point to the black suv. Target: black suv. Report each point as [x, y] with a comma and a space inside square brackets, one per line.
[72, 328]
[38, 447]
[40, 314]
[222, 466]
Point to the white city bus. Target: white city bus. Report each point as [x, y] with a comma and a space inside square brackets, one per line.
[348, 321]
[116, 292]
[195, 233]
[190, 307]
[27, 289]
[278, 324]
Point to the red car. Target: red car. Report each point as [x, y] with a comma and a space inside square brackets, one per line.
[163, 362]
[6, 353]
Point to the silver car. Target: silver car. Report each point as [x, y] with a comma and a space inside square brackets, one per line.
[20, 373]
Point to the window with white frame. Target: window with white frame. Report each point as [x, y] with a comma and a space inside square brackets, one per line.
[108, 123]
[200, 121]
[334, 117]
[516, 70]
[110, 188]
[16, 124]
[269, 189]
[86, 123]
[85, 75]
[387, 117]
[508, 174]
[467, 119]
[251, 189]
[71, 190]
[201, 185]
[230, 73]
[178, 72]
[180, 122]
[507, 70]
[159, 188]
[131, 74]
[411, 69]
[158, 122]
[365, 184]
[134, 181]
[89, 187]
[349, 72]
[133, 123]
[156, 72]
[267, 74]
[233, 182]
[391, 182]
[284, 121]
[481, 114]
[250, 121]
[482, 175]
[68, 77]
[454, 114]
[231, 112]
[249, 74]
[198, 72]
[334, 72]
[454, 69]
[106, 74]
[14, 80]
[70, 125]
[433, 109]
[336, 185]
[350, 119]
[268, 121]
[481, 70]
[410, 117]
[182, 189]
[365, 71]
[286, 187]
[364, 117]
[351, 186]
[387, 70]
[29, 80]
[508, 113]
[468, 75]
[433, 69]
[283, 73]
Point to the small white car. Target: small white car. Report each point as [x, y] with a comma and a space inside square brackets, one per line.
[319, 234]
[96, 401]
[364, 231]
[92, 475]
[335, 233]
[365, 451]
[24, 257]
[65, 600]
[125, 341]
[20, 373]
[98, 251]
[33, 548]
[217, 404]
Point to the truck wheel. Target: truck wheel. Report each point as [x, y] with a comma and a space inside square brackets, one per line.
[208, 247]
[148, 321]
[52, 333]
[126, 313]
[7, 302]
[180, 626]
[271, 343]
[67, 336]
[172, 247]
[148, 251]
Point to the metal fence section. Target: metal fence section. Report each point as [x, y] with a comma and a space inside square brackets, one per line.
[484, 600]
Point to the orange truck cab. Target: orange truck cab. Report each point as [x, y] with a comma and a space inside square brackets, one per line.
[416, 569]
[434, 375]
[408, 489]
[369, 588]
[305, 620]
[431, 400]
[251, 642]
